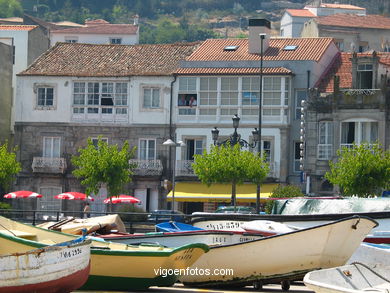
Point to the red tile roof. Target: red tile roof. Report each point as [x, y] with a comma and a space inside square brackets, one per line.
[17, 27]
[353, 20]
[307, 49]
[341, 6]
[112, 29]
[300, 13]
[342, 67]
[234, 71]
[88, 60]
[96, 21]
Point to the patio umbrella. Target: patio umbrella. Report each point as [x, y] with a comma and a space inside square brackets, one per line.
[22, 194]
[122, 199]
[73, 196]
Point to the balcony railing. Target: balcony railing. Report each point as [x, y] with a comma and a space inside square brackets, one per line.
[184, 168]
[147, 167]
[48, 165]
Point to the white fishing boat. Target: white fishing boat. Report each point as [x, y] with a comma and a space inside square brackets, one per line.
[51, 269]
[174, 239]
[280, 257]
[371, 254]
[354, 278]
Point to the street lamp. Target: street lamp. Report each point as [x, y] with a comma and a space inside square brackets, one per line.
[170, 143]
[234, 139]
[262, 37]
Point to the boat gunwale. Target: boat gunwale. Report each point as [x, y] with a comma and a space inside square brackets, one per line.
[297, 231]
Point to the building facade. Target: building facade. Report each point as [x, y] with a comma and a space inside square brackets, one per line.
[350, 106]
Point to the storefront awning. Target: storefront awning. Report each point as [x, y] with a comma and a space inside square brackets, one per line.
[198, 192]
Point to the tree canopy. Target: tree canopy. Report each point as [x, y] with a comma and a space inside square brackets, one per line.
[9, 166]
[361, 170]
[230, 164]
[10, 8]
[104, 164]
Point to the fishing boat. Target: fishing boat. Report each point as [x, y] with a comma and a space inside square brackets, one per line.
[281, 257]
[267, 228]
[174, 239]
[51, 269]
[173, 226]
[371, 254]
[354, 278]
[114, 266]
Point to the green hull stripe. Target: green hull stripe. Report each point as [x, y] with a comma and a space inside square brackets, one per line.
[126, 284]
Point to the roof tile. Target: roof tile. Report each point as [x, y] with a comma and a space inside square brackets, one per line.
[17, 27]
[112, 29]
[353, 20]
[307, 49]
[233, 71]
[76, 59]
[300, 13]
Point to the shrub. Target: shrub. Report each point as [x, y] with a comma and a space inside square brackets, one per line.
[283, 191]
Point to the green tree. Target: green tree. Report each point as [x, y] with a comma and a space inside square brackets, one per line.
[9, 166]
[361, 170]
[230, 164]
[169, 32]
[10, 8]
[283, 191]
[104, 164]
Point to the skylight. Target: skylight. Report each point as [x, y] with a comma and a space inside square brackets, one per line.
[230, 48]
[290, 48]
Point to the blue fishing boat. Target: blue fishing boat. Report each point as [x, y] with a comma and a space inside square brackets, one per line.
[175, 227]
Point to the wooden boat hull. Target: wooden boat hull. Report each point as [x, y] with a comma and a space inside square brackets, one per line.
[114, 266]
[174, 239]
[357, 278]
[282, 256]
[46, 270]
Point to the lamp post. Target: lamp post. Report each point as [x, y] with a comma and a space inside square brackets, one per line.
[170, 143]
[234, 139]
[262, 37]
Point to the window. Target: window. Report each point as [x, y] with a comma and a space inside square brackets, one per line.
[45, 96]
[117, 41]
[147, 149]
[51, 147]
[272, 91]
[364, 76]
[187, 84]
[151, 98]
[300, 95]
[250, 91]
[193, 147]
[358, 132]
[208, 91]
[339, 44]
[297, 156]
[100, 97]
[229, 91]
[71, 40]
[325, 140]
[95, 141]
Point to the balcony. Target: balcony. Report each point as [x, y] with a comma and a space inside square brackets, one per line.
[147, 167]
[184, 168]
[49, 165]
[361, 99]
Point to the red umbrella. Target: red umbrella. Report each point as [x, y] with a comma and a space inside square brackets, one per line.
[22, 194]
[122, 199]
[73, 196]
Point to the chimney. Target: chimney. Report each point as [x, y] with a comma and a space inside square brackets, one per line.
[257, 27]
[136, 19]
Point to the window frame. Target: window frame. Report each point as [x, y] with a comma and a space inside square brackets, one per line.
[37, 90]
[152, 88]
[147, 149]
[325, 146]
[52, 146]
[358, 134]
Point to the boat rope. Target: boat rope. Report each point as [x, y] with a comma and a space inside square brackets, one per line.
[8, 230]
[371, 270]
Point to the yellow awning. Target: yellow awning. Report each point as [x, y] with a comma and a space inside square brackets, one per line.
[198, 192]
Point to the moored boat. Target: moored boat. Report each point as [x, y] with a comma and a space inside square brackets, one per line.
[354, 278]
[51, 269]
[283, 256]
[371, 254]
[173, 226]
[114, 266]
[174, 239]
